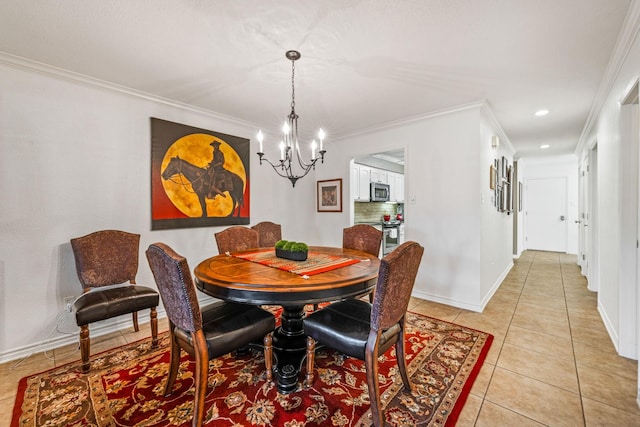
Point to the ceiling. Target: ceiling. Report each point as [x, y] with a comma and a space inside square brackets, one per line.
[364, 64]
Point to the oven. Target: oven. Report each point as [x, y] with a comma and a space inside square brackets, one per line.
[390, 236]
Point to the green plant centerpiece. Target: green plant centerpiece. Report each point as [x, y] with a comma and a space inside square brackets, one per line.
[295, 251]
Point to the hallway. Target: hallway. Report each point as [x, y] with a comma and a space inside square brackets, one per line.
[552, 362]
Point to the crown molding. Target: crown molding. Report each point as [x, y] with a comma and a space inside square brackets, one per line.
[413, 119]
[626, 38]
[488, 115]
[20, 63]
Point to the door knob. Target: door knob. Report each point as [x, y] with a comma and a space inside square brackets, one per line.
[561, 217]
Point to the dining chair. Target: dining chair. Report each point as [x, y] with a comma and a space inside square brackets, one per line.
[105, 258]
[362, 237]
[236, 238]
[207, 333]
[365, 331]
[268, 233]
[365, 238]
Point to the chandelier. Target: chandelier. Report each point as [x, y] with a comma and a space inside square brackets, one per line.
[289, 145]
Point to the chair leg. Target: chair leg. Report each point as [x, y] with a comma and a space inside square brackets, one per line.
[311, 354]
[371, 364]
[268, 357]
[202, 372]
[85, 347]
[134, 315]
[402, 362]
[154, 327]
[174, 363]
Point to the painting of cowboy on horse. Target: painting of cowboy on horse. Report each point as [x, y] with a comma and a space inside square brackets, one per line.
[210, 182]
[198, 177]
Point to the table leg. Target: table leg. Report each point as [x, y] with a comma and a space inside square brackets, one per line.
[289, 346]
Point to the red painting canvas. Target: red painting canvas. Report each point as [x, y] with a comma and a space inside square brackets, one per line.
[199, 178]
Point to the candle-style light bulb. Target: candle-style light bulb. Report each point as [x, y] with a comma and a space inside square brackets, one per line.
[285, 130]
[260, 138]
[313, 149]
[321, 136]
[281, 150]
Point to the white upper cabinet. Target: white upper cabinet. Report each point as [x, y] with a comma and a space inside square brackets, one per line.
[360, 178]
[396, 186]
[379, 175]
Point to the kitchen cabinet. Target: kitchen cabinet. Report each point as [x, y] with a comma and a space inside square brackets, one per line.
[379, 175]
[362, 176]
[396, 186]
[360, 179]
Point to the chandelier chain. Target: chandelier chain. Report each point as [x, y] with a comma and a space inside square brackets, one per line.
[293, 86]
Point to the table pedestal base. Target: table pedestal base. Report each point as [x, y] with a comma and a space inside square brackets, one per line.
[289, 348]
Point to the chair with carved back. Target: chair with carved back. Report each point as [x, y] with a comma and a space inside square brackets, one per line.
[235, 239]
[268, 233]
[216, 329]
[362, 237]
[365, 331]
[365, 238]
[105, 258]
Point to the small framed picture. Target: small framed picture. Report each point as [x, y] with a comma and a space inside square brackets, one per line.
[492, 177]
[330, 195]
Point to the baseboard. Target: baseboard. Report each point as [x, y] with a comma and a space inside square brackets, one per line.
[97, 330]
[447, 301]
[613, 335]
[463, 304]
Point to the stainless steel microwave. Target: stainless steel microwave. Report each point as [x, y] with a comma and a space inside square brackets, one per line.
[379, 192]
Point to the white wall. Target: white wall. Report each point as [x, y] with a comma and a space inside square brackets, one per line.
[616, 186]
[75, 158]
[557, 167]
[445, 173]
[496, 231]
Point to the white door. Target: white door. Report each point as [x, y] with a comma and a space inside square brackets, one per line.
[583, 219]
[546, 215]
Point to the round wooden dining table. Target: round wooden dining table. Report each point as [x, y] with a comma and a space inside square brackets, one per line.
[230, 278]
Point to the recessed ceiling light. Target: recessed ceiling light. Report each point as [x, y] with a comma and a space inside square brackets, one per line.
[543, 146]
[542, 113]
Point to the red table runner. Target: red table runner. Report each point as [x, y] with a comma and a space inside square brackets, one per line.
[316, 262]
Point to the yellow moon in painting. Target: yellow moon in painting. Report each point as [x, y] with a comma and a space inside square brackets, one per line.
[197, 150]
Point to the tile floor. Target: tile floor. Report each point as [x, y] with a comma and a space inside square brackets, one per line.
[551, 362]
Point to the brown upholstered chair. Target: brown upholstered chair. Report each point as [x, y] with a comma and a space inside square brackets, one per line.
[206, 333]
[236, 238]
[365, 331]
[362, 237]
[268, 233]
[365, 238]
[103, 258]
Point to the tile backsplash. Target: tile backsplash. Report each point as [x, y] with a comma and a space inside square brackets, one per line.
[373, 211]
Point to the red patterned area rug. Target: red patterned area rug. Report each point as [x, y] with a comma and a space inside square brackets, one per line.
[125, 386]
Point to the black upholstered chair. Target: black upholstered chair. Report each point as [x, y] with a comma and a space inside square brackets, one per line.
[206, 333]
[268, 233]
[365, 331]
[236, 238]
[365, 238]
[103, 258]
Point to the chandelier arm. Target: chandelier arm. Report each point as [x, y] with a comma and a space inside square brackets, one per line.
[277, 166]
